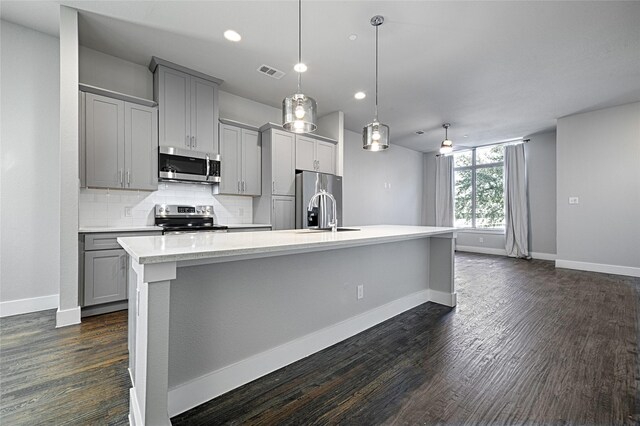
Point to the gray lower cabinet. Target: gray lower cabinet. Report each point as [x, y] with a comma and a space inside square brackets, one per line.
[105, 276]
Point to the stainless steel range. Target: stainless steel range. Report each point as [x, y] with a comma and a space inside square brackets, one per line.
[180, 219]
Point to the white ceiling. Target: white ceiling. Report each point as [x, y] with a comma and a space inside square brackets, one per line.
[494, 70]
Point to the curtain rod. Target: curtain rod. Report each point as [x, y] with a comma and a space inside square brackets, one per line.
[507, 142]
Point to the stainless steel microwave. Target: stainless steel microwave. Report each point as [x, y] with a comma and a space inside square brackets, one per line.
[184, 165]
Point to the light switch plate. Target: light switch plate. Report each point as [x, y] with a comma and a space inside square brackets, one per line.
[574, 200]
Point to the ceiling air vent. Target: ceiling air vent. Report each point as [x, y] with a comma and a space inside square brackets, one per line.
[271, 72]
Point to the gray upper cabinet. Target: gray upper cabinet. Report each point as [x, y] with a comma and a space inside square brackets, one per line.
[121, 139]
[188, 107]
[283, 162]
[240, 157]
[204, 115]
[104, 138]
[251, 162]
[230, 137]
[305, 153]
[315, 154]
[174, 96]
[141, 143]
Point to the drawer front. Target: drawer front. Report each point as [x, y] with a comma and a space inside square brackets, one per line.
[108, 240]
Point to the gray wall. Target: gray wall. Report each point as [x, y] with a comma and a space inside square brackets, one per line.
[598, 160]
[381, 187]
[110, 72]
[541, 170]
[541, 175]
[30, 218]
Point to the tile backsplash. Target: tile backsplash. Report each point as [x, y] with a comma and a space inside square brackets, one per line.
[114, 207]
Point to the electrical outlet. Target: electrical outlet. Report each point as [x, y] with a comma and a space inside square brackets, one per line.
[127, 212]
[481, 240]
[574, 200]
[361, 291]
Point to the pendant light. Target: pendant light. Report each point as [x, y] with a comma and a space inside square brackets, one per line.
[447, 145]
[375, 135]
[299, 110]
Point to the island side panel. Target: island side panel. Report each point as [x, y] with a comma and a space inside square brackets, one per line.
[442, 270]
[246, 311]
[148, 403]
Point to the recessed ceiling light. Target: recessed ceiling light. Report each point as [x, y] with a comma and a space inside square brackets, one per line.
[465, 136]
[353, 37]
[360, 95]
[300, 67]
[232, 35]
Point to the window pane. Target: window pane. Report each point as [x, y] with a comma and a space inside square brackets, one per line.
[463, 209]
[490, 197]
[490, 154]
[462, 159]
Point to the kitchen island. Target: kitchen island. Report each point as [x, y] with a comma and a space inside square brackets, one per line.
[214, 311]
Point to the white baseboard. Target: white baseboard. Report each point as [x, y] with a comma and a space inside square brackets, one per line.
[542, 256]
[598, 267]
[191, 394]
[442, 298]
[67, 317]
[483, 250]
[25, 306]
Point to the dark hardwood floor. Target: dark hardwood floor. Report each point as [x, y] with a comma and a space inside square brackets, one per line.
[527, 343]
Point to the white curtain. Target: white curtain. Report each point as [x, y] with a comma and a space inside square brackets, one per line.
[444, 190]
[515, 200]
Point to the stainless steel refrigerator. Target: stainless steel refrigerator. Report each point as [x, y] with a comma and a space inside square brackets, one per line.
[307, 185]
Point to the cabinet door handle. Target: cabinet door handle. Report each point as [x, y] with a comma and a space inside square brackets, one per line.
[186, 141]
[238, 186]
[128, 178]
[244, 186]
[194, 142]
[120, 176]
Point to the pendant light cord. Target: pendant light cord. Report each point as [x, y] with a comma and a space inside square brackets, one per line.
[299, 41]
[377, 72]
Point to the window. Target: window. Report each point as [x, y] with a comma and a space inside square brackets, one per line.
[479, 188]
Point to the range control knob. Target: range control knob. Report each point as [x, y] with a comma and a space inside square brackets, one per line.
[161, 210]
[167, 210]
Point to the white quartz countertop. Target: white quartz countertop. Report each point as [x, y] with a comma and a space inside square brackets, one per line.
[98, 229]
[248, 225]
[208, 245]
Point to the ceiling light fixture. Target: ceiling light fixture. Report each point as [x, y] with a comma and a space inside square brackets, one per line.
[299, 110]
[232, 35]
[375, 135]
[447, 145]
[360, 95]
[300, 67]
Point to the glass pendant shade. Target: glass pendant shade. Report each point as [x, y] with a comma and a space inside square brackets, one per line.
[299, 113]
[375, 136]
[446, 147]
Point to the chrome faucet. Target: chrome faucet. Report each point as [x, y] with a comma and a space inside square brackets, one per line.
[314, 203]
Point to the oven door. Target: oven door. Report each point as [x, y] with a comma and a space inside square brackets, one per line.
[175, 164]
